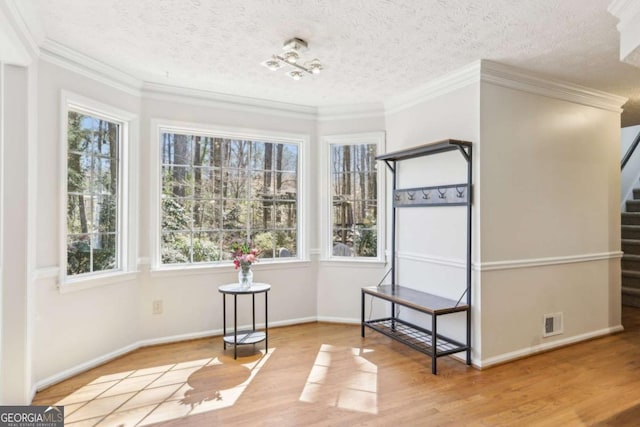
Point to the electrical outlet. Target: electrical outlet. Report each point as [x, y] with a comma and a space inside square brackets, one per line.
[552, 324]
[157, 307]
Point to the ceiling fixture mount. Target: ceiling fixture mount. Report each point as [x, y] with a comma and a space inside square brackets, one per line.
[291, 57]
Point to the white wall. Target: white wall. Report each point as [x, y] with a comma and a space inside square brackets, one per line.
[15, 323]
[550, 239]
[431, 242]
[93, 322]
[339, 282]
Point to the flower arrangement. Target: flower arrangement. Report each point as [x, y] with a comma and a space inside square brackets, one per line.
[244, 254]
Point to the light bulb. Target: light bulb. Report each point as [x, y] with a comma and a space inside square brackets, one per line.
[295, 75]
[291, 57]
[315, 66]
[272, 64]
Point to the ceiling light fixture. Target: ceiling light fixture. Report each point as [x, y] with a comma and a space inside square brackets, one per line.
[291, 57]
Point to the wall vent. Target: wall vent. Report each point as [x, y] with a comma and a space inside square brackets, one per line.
[552, 324]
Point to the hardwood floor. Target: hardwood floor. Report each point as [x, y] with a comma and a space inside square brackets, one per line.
[325, 374]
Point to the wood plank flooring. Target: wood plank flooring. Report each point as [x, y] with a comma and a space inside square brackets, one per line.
[321, 374]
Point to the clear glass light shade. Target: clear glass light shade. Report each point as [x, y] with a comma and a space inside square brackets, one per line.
[315, 66]
[272, 64]
[291, 56]
[295, 74]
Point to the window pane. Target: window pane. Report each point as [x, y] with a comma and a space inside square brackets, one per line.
[234, 214]
[206, 247]
[104, 252]
[79, 167]
[78, 254]
[225, 190]
[354, 194]
[78, 214]
[207, 215]
[92, 194]
[105, 214]
[176, 248]
[285, 215]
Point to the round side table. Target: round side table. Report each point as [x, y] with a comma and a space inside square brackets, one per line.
[247, 336]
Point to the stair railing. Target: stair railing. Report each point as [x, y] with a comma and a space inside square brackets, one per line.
[630, 151]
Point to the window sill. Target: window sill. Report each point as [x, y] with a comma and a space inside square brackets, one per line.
[353, 262]
[80, 284]
[194, 270]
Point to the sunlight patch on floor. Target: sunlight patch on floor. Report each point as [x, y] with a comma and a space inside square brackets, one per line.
[162, 393]
[352, 378]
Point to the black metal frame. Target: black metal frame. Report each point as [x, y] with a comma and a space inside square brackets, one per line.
[419, 338]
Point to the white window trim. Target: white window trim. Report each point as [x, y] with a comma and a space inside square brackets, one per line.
[326, 228]
[155, 182]
[127, 190]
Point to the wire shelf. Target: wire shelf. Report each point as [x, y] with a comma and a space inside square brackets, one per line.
[415, 337]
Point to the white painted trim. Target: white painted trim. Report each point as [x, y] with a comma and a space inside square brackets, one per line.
[625, 11]
[303, 141]
[526, 81]
[144, 261]
[207, 98]
[510, 264]
[96, 280]
[68, 373]
[544, 262]
[127, 192]
[448, 262]
[183, 270]
[344, 320]
[72, 60]
[530, 351]
[450, 82]
[21, 32]
[47, 273]
[315, 252]
[357, 263]
[351, 112]
[32, 218]
[326, 196]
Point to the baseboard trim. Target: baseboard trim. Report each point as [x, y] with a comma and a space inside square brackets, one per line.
[68, 373]
[540, 348]
[343, 320]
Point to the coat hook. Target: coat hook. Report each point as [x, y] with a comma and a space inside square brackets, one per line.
[443, 193]
[460, 192]
[425, 194]
[411, 195]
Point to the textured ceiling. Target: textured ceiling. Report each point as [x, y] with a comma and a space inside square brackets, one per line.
[371, 49]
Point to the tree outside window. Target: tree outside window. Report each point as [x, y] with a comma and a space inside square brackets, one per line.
[354, 212]
[93, 199]
[219, 190]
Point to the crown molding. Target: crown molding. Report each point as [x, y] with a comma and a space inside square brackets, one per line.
[625, 11]
[350, 112]
[450, 82]
[163, 92]
[519, 79]
[17, 33]
[72, 60]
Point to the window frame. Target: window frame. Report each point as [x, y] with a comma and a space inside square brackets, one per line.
[126, 248]
[158, 126]
[377, 138]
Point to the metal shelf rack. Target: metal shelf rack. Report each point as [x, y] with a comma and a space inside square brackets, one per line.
[424, 339]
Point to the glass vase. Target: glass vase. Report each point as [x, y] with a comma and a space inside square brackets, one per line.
[245, 276]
